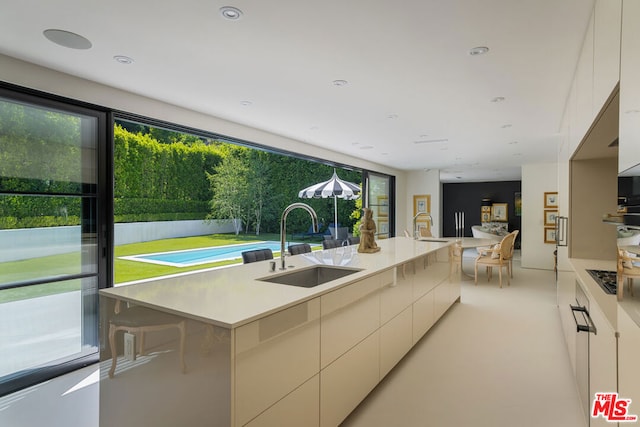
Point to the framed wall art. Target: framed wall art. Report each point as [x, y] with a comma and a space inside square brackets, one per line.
[499, 212]
[422, 203]
[550, 235]
[550, 217]
[383, 206]
[550, 199]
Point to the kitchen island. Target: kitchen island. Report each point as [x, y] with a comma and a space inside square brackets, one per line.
[262, 353]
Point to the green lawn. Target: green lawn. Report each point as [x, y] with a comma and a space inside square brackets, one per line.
[125, 271]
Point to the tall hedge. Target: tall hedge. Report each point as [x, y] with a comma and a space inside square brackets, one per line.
[148, 169]
[156, 180]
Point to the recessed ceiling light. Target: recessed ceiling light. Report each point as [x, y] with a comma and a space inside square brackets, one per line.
[340, 82]
[392, 116]
[366, 147]
[513, 142]
[479, 50]
[498, 99]
[231, 13]
[355, 143]
[314, 128]
[123, 59]
[384, 154]
[505, 126]
[245, 103]
[67, 39]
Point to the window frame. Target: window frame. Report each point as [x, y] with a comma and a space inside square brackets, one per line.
[103, 215]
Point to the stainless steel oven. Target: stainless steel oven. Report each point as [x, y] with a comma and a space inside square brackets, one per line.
[584, 327]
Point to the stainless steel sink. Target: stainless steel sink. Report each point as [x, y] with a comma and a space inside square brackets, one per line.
[310, 277]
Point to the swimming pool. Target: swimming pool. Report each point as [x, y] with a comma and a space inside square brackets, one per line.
[190, 257]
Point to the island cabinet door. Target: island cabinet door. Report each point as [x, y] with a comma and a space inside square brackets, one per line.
[397, 291]
[348, 316]
[442, 299]
[348, 380]
[425, 278]
[299, 408]
[275, 356]
[396, 339]
[430, 270]
[423, 315]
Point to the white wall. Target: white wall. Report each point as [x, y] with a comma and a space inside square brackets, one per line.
[423, 182]
[536, 180]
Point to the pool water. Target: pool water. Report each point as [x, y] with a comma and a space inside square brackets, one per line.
[192, 257]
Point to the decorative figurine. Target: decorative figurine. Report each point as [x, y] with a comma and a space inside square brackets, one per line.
[367, 234]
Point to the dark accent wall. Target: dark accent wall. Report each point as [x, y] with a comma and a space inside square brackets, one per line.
[467, 197]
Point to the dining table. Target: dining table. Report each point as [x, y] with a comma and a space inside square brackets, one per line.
[465, 243]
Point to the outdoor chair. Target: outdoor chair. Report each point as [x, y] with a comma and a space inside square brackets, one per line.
[353, 240]
[301, 248]
[140, 320]
[256, 255]
[331, 243]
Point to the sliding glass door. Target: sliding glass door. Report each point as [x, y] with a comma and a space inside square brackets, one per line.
[51, 249]
[380, 198]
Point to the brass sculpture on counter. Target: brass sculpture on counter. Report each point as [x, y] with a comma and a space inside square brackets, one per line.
[367, 234]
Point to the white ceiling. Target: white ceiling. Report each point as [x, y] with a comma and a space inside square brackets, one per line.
[407, 63]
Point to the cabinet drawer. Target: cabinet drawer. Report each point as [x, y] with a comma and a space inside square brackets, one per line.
[397, 294]
[273, 356]
[348, 380]
[299, 408]
[348, 315]
[396, 339]
[423, 315]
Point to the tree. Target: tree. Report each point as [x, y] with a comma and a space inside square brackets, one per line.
[230, 191]
[259, 184]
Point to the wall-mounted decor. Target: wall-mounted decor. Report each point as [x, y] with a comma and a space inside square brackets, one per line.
[383, 206]
[518, 203]
[422, 203]
[551, 199]
[499, 212]
[383, 228]
[550, 217]
[550, 235]
[486, 217]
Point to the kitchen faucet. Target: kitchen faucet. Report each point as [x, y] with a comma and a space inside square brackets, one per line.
[415, 222]
[283, 226]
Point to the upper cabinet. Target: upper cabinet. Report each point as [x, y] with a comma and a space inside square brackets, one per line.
[629, 140]
[584, 84]
[606, 50]
[597, 72]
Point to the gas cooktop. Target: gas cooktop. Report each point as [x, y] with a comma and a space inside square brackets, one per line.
[608, 280]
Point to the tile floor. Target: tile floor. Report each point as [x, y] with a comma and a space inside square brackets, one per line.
[497, 359]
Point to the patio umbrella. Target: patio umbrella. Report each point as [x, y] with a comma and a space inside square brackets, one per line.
[336, 188]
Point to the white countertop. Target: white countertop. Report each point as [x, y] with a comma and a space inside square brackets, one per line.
[609, 304]
[230, 297]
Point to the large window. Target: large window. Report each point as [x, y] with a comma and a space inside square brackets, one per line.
[50, 247]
